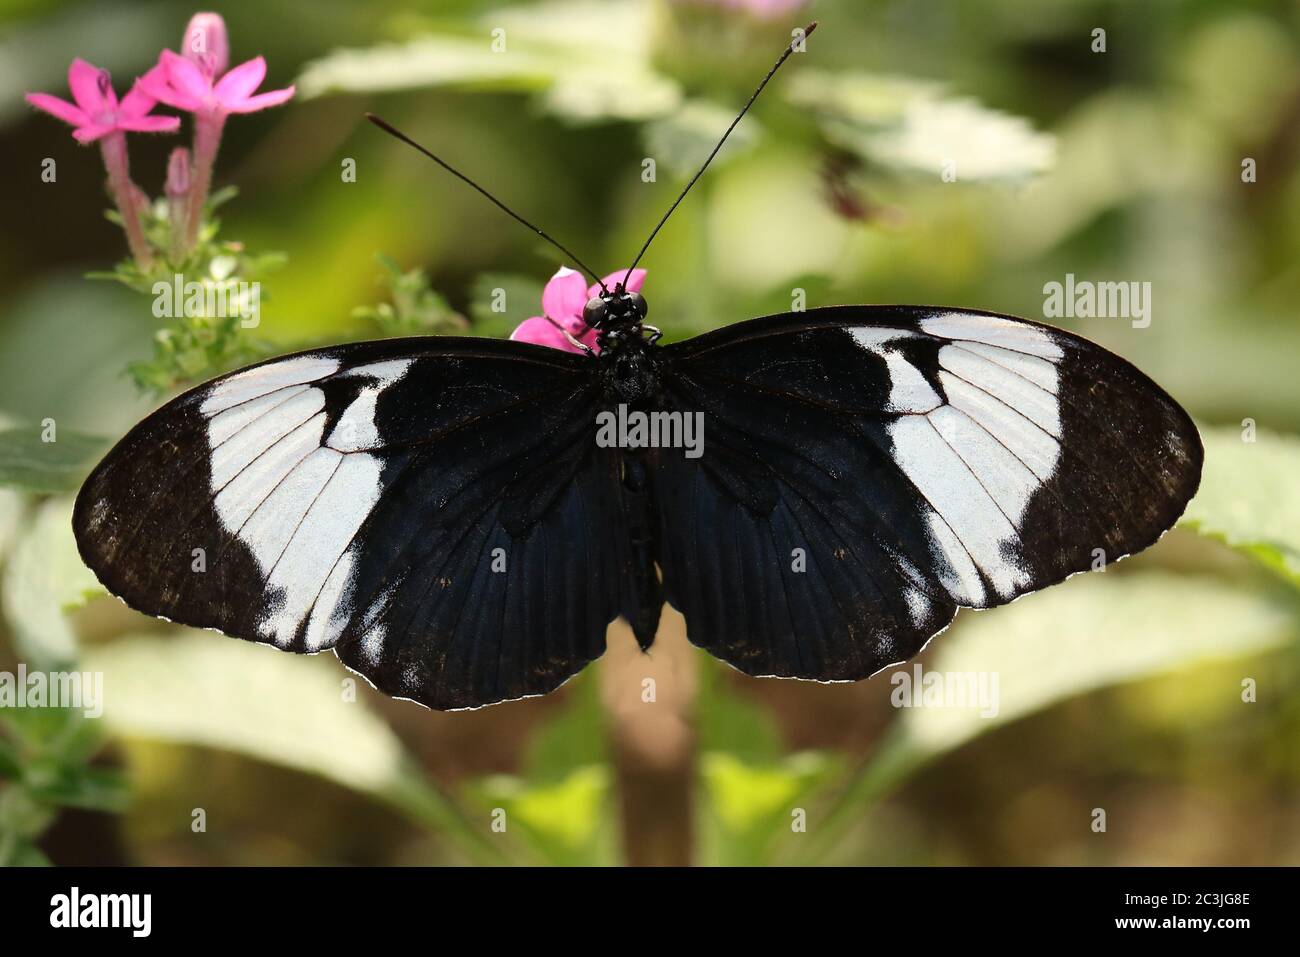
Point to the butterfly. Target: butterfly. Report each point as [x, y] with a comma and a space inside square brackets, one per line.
[457, 521]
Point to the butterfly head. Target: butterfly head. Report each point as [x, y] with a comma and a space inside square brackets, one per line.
[617, 311]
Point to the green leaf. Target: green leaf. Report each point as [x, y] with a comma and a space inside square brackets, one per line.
[91, 789]
[10, 764]
[576, 739]
[416, 308]
[728, 722]
[911, 126]
[22, 815]
[566, 822]
[29, 463]
[753, 804]
[1250, 497]
[1093, 632]
[44, 578]
[20, 853]
[192, 688]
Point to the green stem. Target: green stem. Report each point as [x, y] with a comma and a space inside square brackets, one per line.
[429, 807]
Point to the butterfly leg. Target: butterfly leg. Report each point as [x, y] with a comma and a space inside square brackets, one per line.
[577, 342]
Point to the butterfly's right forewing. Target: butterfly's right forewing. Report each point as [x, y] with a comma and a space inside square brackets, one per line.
[867, 470]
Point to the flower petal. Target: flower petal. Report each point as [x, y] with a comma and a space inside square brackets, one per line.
[262, 101]
[156, 85]
[565, 295]
[56, 107]
[241, 82]
[149, 124]
[137, 102]
[634, 282]
[92, 132]
[541, 332]
[83, 81]
[185, 77]
[574, 325]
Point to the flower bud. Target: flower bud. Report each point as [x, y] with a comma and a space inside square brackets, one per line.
[205, 43]
[178, 173]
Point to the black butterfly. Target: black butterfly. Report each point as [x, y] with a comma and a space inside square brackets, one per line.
[443, 514]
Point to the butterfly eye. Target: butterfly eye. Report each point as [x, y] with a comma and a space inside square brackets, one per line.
[594, 313]
[637, 303]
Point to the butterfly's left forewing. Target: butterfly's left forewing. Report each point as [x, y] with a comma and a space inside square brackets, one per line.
[432, 509]
[867, 470]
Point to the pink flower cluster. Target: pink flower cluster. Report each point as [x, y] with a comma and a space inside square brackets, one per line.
[561, 324]
[195, 81]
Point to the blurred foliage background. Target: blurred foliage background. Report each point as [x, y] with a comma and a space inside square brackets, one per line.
[1120, 691]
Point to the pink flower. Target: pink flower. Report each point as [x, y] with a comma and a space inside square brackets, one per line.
[563, 301]
[97, 112]
[206, 43]
[182, 83]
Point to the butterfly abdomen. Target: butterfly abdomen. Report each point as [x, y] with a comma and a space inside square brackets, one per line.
[644, 596]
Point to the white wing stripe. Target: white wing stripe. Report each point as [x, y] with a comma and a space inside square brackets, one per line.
[953, 490]
[1040, 372]
[954, 566]
[240, 450]
[993, 330]
[1019, 393]
[273, 523]
[226, 424]
[241, 497]
[245, 386]
[1026, 441]
[319, 541]
[1003, 475]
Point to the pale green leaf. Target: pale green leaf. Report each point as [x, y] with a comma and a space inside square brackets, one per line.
[290, 710]
[30, 463]
[1100, 630]
[526, 49]
[11, 513]
[44, 578]
[432, 61]
[913, 126]
[1250, 496]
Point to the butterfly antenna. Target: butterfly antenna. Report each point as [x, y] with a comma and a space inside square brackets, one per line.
[794, 45]
[395, 132]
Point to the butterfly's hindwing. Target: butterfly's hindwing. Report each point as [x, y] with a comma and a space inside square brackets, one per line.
[432, 509]
[870, 469]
